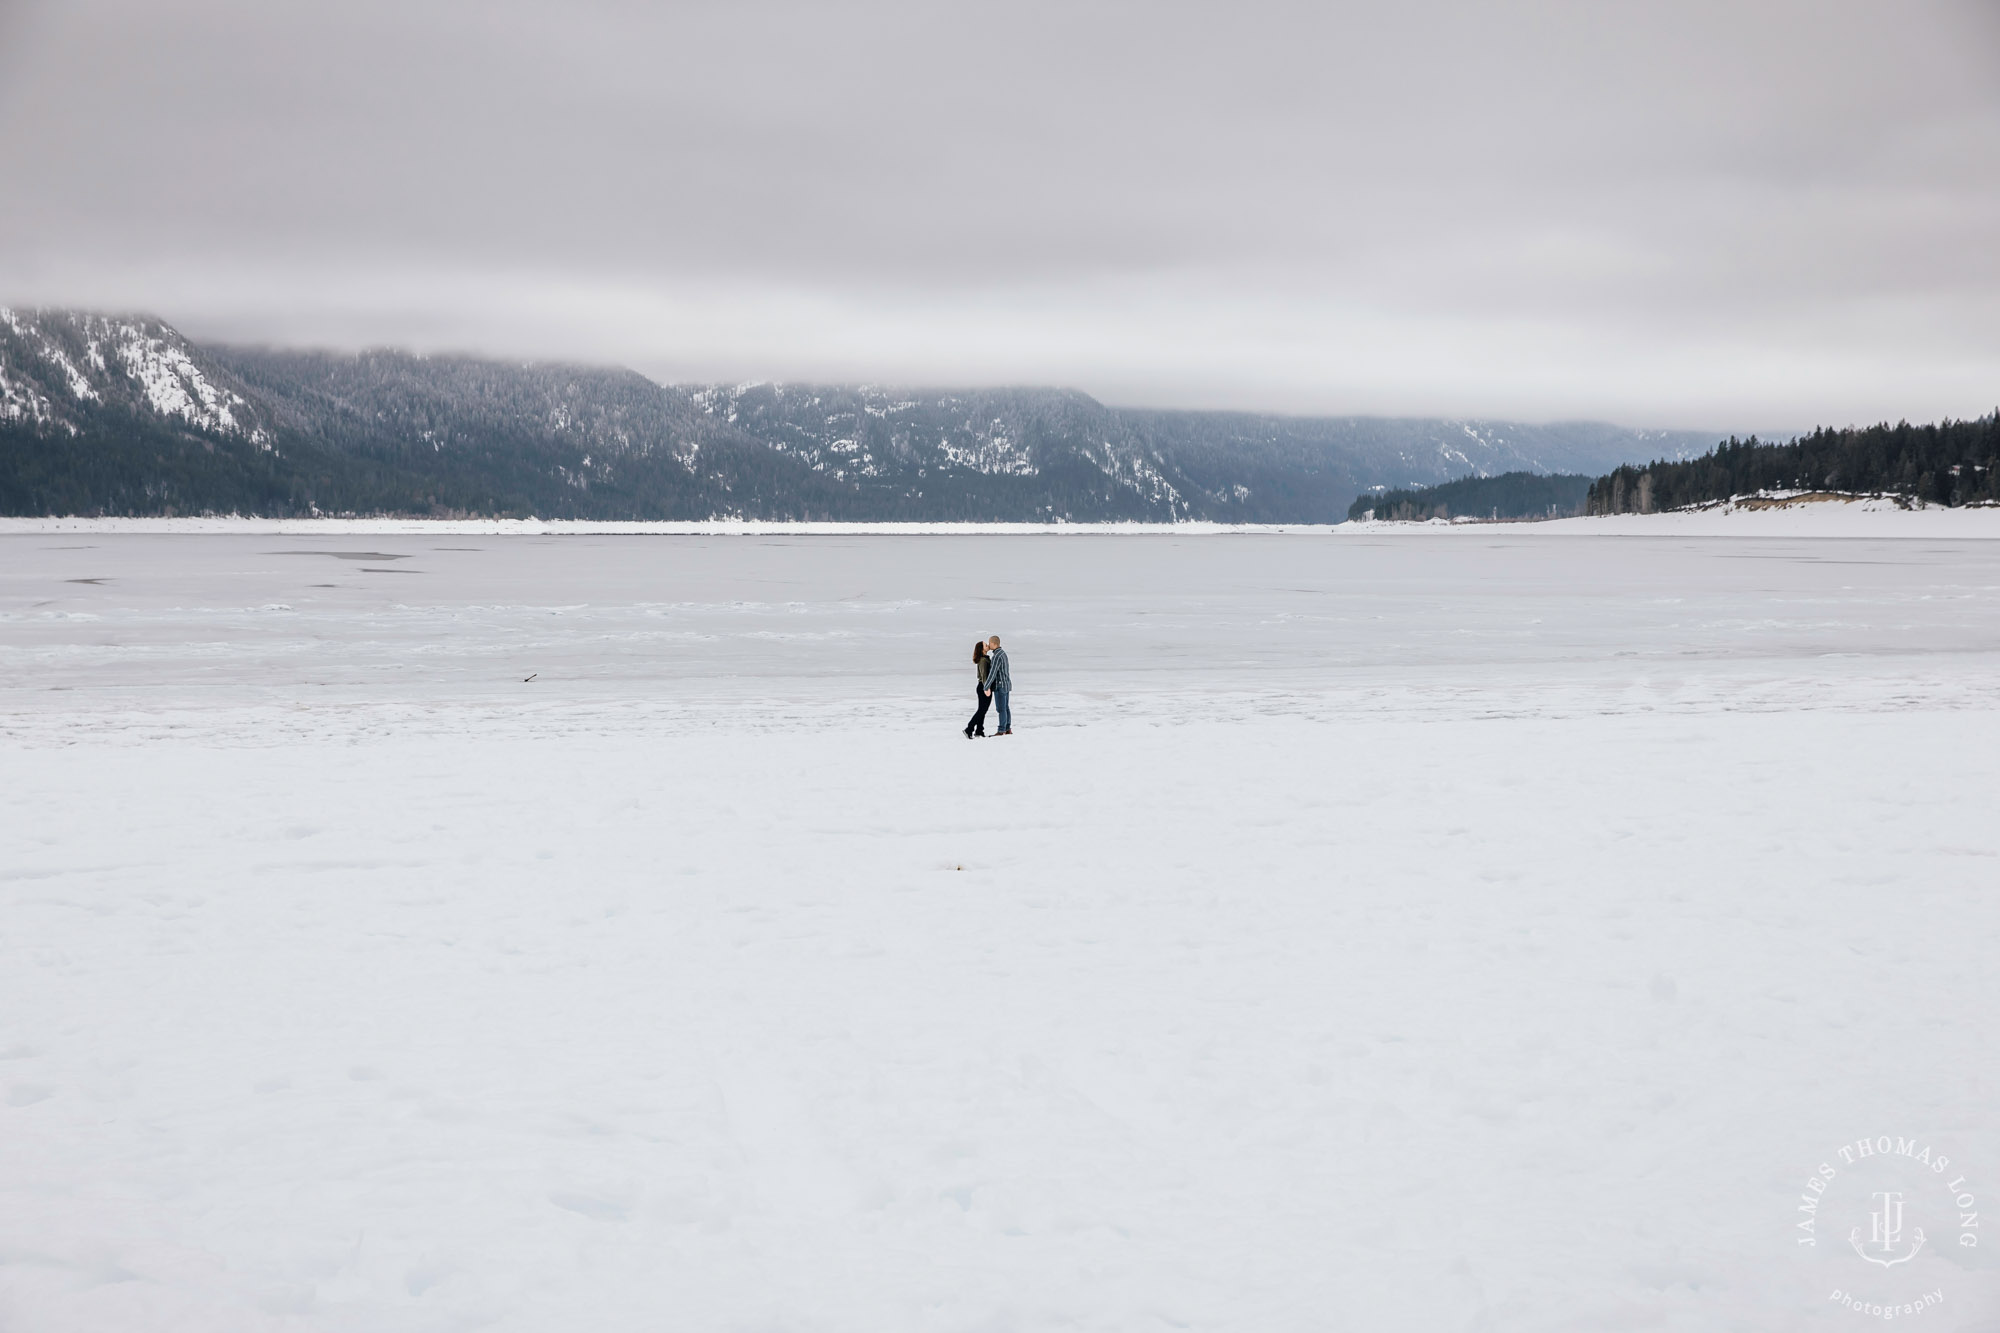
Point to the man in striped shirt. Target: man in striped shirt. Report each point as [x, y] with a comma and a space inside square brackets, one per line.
[999, 683]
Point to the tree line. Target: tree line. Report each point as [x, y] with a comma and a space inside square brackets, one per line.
[1515, 495]
[1950, 463]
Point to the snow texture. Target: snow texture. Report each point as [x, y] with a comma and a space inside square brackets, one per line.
[1449, 930]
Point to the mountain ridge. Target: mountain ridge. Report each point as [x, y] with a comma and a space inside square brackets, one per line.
[113, 414]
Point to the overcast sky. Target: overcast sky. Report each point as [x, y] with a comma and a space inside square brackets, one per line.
[1732, 215]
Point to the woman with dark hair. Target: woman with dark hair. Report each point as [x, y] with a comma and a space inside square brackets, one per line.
[977, 727]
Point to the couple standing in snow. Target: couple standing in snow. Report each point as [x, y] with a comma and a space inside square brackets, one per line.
[989, 665]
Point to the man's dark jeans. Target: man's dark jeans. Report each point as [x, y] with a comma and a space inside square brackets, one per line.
[1006, 717]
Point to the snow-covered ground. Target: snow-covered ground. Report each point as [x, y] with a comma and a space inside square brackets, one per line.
[1428, 931]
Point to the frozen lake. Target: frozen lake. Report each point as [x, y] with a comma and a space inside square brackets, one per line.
[283, 634]
[1468, 932]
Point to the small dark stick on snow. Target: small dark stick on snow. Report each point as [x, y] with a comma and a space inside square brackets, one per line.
[529, 678]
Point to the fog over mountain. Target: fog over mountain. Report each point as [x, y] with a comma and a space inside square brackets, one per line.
[123, 415]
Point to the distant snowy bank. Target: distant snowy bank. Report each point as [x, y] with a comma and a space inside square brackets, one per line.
[1780, 515]
[1812, 514]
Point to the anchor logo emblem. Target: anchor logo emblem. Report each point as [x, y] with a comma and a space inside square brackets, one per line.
[1886, 1233]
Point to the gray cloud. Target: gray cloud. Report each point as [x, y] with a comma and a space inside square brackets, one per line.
[1689, 214]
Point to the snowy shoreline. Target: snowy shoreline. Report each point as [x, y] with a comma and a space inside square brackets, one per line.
[536, 527]
[1777, 515]
[1858, 518]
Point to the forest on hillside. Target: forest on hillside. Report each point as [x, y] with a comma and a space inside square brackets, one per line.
[1513, 495]
[1951, 463]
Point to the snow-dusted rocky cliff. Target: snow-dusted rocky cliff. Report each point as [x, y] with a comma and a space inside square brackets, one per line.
[55, 365]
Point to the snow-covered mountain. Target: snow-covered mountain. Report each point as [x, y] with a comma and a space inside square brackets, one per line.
[1179, 464]
[941, 442]
[57, 366]
[119, 414]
